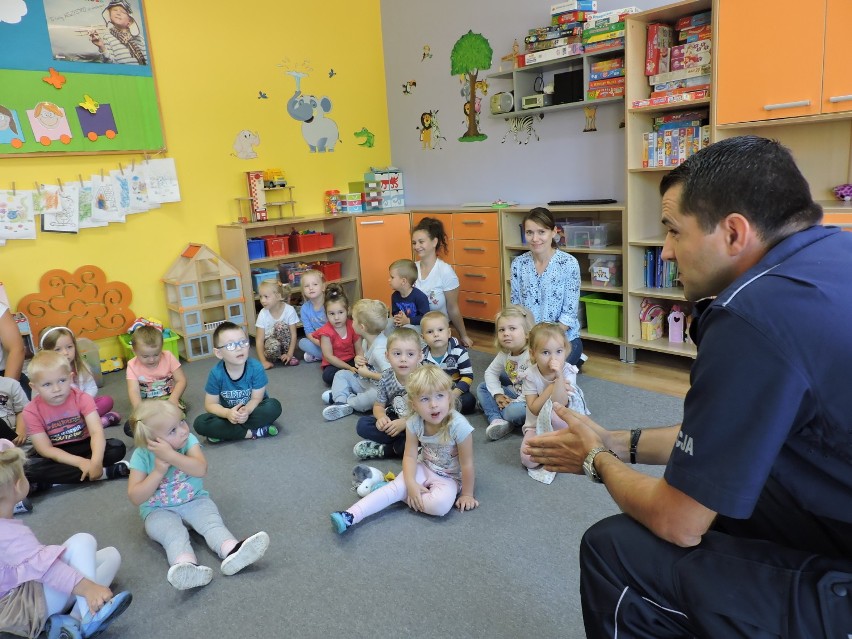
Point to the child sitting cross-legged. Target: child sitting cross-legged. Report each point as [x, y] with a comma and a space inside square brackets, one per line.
[275, 329]
[408, 304]
[236, 401]
[166, 472]
[384, 430]
[437, 468]
[65, 430]
[153, 373]
[357, 391]
[447, 353]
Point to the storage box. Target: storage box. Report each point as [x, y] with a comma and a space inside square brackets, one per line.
[277, 245]
[326, 240]
[331, 270]
[604, 316]
[592, 236]
[304, 243]
[256, 248]
[605, 270]
[291, 272]
[260, 274]
[171, 344]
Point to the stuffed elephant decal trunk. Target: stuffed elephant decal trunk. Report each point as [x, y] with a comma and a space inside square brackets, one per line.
[320, 132]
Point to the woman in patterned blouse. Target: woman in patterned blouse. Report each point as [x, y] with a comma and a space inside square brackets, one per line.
[547, 280]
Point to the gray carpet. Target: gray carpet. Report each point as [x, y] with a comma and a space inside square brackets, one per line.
[506, 569]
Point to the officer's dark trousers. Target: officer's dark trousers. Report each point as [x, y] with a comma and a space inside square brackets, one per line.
[733, 584]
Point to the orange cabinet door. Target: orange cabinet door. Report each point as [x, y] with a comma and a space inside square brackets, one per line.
[767, 68]
[477, 253]
[382, 239]
[837, 77]
[479, 279]
[475, 226]
[481, 306]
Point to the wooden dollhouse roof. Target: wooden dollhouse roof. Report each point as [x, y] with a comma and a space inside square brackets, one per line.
[198, 262]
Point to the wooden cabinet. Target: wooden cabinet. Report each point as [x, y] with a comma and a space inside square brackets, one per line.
[233, 246]
[770, 68]
[382, 239]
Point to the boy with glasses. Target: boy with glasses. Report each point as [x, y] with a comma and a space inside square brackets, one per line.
[235, 399]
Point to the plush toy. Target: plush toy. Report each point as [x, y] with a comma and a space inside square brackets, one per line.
[365, 479]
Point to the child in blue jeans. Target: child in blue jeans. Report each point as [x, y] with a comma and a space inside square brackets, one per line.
[384, 430]
[166, 472]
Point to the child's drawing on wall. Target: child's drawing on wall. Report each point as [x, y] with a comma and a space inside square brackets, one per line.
[49, 123]
[10, 128]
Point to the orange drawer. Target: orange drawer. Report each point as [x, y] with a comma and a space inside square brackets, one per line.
[476, 253]
[479, 306]
[475, 226]
[837, 218]
[479, 279]
[446, 220]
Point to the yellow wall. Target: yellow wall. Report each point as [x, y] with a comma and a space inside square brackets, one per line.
[210, 63]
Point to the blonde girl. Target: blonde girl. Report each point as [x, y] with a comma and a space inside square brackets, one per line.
[62, 340]
[166, 472]
[312, 313]
[441, 473]
[276, 325]
[338, 340]
[550, 377]
[38, 583]
[500, 395]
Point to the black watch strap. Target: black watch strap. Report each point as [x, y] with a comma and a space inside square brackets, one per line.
[635, 434]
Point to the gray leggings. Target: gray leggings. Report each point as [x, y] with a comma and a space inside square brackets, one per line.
[165, 526]
[350, 388]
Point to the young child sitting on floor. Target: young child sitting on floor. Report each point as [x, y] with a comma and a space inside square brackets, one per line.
[312, 313]
[275, 328]
[338, 339]
[408, 304]
[437, 468]
[166, 472]
[384, 430]
[357, 391]
[39, 583]
[447, 353]
[65, 431]
[153, 373]
[235, 399]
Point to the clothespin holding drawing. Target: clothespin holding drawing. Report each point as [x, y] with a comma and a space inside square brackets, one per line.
[80, 175]
[132, 165]
[102, 173]
[14, 192]
[121, 168]
[38, 187]
[61, 188]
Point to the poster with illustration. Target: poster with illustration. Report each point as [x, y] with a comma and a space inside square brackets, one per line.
[162, 181]
[107, 32]
[10, 128]
[17, 220]
[67, 220]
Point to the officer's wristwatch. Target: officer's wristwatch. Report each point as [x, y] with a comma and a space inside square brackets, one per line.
[589, 463]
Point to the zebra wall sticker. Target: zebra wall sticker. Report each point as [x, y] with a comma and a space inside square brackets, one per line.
[520, 125]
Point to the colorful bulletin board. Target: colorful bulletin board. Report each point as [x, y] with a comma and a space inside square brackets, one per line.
[76, 78]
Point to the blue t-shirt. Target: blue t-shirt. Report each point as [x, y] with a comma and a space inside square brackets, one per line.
[312, 319]
[415, 306]
[236, 391]
[176, 487]
[770, 385]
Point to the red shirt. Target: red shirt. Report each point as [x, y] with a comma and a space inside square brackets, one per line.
[342, 347]
[63, 424]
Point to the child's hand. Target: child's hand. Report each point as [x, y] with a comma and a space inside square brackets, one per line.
[395, 427]
[502, 401]
[382, 423]
[95, 594]
[415, 492]
[90, 470]
[467, 342]
[363, 370]
[401, 319]
[161, 465]
[360, 361]
[466, 502]
[267, 364]
[20, 434]
[160, 448]
[238, 414]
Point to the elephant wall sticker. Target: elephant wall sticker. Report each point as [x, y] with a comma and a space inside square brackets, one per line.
[320, 132]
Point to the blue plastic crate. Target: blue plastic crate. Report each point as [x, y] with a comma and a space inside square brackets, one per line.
[256, 248]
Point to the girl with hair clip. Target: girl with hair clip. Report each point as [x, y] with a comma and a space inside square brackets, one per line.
[338, 340]
[63, 590]
[166, 472]
[435, 277]
[441, 473]
[500, 395]
[63, 341]
[275, 337]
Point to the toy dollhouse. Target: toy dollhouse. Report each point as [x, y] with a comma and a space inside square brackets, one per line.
[202, 291]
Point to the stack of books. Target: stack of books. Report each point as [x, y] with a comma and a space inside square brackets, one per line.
[677, 61]
[659, 273]
[606, 79]
[675, 137]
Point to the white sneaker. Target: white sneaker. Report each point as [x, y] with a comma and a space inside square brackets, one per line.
[326, 397]
[497, 429]
[336, 411]
[310, 359]
[185, 575]
[249, 551]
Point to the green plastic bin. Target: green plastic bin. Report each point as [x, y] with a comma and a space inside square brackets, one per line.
[171, 344]
[603, 316]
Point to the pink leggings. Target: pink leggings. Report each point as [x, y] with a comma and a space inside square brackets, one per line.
[103, 403]
[438, 501]
[555, 421]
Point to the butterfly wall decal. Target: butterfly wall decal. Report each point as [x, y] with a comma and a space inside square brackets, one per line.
[89, 104]
[55, 78]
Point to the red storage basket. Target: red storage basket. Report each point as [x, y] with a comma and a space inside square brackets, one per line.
[331, 270]
[277, 245]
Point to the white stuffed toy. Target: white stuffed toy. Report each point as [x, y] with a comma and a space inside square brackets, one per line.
[365, 479]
